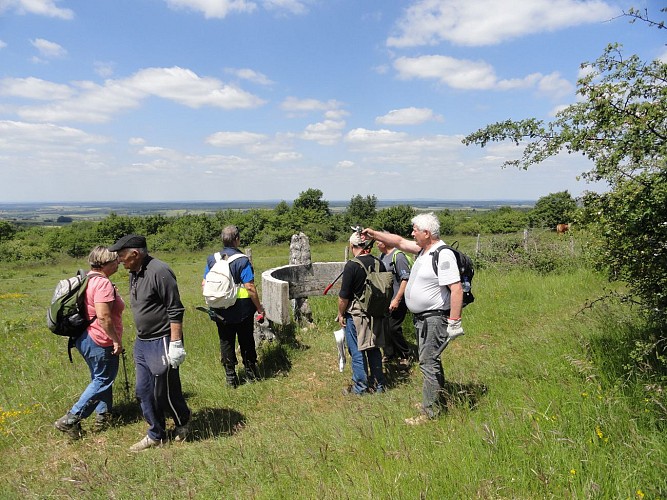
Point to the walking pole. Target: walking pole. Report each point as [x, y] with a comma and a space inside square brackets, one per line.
[127, 383]
[332, 283]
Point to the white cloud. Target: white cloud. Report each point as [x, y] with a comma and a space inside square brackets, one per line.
[217, 9]
[137, 141]
[474, 75]
[48, 49]
[250, 75]
[327, 132]
[489, 22]
[292, 6]
[295, 105]
[104, 69]
[187, 88]
[97, 103]
[34, 88]
[662, 57]
[345, 164]
[285, 156]
[2, 45]
[554, 85]
[234, 139]
[39, 7]
[42, 138]
[408, 116]
[365, 136]
[456, 73]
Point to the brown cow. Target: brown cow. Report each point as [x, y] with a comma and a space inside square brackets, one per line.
[562, 228]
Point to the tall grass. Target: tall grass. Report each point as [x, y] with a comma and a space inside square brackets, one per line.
[534, 409]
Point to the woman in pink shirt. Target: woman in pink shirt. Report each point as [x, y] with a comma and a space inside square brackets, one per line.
[100, 345]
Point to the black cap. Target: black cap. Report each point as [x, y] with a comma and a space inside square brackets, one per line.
[129, 241]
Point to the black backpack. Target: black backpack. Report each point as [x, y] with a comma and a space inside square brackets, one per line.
[66, 315]
[466, 270]
[378, 290]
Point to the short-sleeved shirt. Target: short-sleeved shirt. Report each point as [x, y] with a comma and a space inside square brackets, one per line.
[100, 289]
[396, 262]
[427, 291]
[242, 272]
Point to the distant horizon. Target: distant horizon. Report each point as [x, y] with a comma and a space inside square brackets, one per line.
[276, 200]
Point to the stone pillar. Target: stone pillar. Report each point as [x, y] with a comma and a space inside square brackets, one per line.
[299, 253]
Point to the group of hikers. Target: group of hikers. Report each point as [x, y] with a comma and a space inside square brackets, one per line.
[433, 295]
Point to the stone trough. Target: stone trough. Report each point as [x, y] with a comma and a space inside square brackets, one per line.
[296, 281]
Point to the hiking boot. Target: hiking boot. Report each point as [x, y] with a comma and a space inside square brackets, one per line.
[69, 424]
[102, 421]
[181, 432]
[252, 372]
[231, 377]
[145, 444]
[347, 391]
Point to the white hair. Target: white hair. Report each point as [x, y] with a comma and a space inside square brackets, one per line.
[427, 222]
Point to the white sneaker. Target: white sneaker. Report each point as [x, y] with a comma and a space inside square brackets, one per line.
[146, 443]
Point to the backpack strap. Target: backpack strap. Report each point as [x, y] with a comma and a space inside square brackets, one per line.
[436, 255]
[71, 342]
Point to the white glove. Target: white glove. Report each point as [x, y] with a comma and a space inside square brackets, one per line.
[340, 343]
[454, 328]
[176, 353]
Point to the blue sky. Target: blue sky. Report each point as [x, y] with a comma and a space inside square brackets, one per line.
[157, 100]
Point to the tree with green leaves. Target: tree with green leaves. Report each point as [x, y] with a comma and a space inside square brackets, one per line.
[553, 209]
[619, 122]
[311, 199]
[396, 219]
[361, 210]
[7, 230]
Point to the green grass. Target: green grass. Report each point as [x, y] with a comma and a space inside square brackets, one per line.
[531, 414]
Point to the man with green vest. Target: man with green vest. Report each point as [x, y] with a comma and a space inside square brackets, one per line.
[396, 347]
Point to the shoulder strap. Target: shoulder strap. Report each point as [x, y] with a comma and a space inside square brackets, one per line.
[217, 256]
[355, 259]
[236, 256]
[436, 257]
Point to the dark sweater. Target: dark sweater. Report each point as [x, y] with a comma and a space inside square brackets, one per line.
[155, 300]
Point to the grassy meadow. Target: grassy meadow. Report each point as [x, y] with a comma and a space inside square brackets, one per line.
[532, 412]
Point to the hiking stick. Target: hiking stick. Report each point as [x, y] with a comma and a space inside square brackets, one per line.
[127, 383]
[332, 283]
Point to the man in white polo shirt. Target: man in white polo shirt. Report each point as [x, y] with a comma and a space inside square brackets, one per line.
[436, 300]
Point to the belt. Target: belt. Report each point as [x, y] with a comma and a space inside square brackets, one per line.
[429, 314]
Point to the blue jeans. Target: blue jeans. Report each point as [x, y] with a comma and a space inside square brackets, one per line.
[103, 368]
[361, 361]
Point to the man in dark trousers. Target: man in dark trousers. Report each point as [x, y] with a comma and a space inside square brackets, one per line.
[237, 320]
[396, 347]
[435, 298]
[158, 351]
